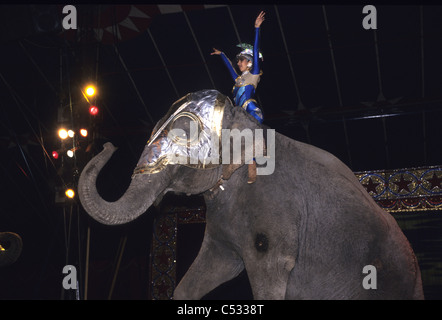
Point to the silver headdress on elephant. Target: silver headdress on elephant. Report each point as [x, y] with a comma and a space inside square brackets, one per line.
[189, 134]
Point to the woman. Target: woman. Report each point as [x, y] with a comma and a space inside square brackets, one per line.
[248, 64]
[246, 83]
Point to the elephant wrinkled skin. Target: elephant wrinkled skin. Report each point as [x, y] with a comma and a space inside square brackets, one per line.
[306, 231]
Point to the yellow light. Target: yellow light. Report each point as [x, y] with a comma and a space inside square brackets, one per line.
[70, 193]
[90, 91]
[83, 132]
[62, 133]
[2, 249]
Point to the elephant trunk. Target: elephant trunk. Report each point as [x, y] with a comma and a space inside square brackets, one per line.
[140, 195]
[11, 246]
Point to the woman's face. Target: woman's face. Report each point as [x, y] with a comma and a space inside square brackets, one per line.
[242, 64]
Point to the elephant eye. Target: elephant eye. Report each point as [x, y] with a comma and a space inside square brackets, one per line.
[185, 128]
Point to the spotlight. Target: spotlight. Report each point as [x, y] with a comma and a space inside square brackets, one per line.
[71, 133]
[70, 193]
[83, 132]
[62, 133]
[93, 110]
[90, 91]
[70, 153]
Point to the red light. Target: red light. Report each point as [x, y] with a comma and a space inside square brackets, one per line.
[55, 154]
[93, 110]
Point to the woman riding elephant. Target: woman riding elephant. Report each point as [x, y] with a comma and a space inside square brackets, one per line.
[247, 82]
[248, 64]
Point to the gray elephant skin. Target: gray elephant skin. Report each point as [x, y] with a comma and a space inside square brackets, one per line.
[306, 231]
[11, 246]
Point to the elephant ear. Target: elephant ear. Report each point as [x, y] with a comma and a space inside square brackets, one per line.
[241, 140]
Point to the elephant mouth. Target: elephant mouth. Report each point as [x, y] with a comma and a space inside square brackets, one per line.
[189, 134]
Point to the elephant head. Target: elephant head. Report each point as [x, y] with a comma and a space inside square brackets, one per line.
[11, 246]
[183, 155]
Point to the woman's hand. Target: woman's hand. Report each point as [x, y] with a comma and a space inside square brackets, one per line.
[260, 19]
[215, 51]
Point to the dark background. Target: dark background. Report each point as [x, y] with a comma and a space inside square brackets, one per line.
[370, 97]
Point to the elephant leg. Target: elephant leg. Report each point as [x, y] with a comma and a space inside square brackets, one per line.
[214, 265]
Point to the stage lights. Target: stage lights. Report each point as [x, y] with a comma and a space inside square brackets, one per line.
[74, 138]
[65, 150]
[63, 133]
[70, 193]
[90, 91]
[93, 110]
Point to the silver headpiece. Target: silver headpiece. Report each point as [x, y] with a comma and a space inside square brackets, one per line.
[247, 52]
[189, 134]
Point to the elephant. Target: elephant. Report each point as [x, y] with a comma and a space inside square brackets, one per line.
[304, 229]
[11, 246]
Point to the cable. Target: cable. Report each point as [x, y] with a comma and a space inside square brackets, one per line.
[17, 100]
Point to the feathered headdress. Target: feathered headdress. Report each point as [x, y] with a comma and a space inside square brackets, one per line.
[247, 51]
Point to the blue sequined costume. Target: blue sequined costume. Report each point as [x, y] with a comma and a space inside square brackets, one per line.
[246, 83]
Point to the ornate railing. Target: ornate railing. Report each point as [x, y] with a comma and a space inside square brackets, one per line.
[415, 189]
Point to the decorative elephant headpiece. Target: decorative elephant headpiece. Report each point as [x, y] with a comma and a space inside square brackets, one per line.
[189, 134]
[203, 136]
